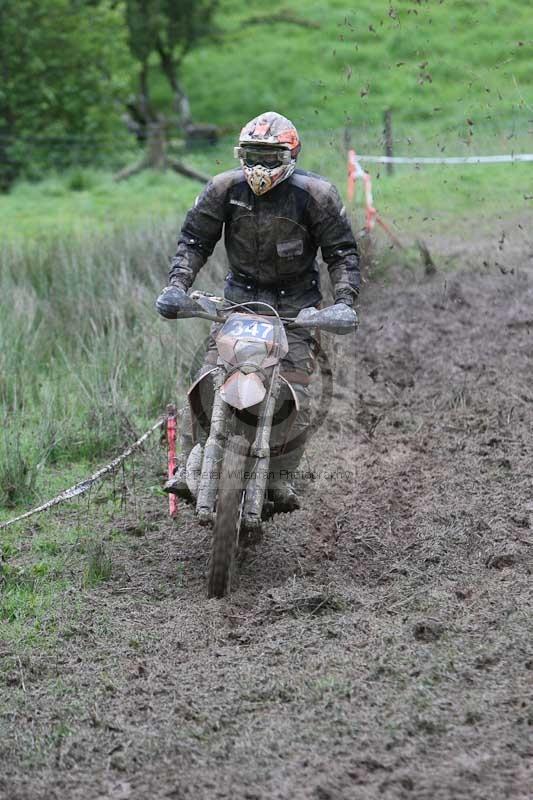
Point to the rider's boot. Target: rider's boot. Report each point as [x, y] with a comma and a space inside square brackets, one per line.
[280, 489]
[283, 495]
[178, 483]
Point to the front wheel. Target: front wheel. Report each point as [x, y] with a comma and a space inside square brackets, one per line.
[228, 517]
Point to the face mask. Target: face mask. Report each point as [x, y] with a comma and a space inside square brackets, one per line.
[261, 179]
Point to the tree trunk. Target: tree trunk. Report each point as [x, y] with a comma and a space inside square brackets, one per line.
[156, 146]
[182, 106]
[156, 157]
[155, 126]
[8, 168]
[145, 108]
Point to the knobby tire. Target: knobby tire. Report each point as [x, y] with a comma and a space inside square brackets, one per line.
[228, 514]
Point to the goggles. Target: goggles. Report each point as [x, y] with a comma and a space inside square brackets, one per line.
[263, 156]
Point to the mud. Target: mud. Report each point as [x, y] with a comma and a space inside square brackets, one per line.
[377, 643]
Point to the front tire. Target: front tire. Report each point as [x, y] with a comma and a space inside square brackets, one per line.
[228, 517]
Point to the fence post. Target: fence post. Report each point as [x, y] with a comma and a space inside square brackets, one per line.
[387, 136]
[347, 138]
[171, 454]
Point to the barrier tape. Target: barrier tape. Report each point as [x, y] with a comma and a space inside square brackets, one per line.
[447, 160]
[84, 486]
[356, 172]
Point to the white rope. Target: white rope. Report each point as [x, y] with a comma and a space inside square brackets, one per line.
[85, 485]
[449, 160]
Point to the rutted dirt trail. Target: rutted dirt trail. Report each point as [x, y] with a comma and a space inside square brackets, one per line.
[378, 643]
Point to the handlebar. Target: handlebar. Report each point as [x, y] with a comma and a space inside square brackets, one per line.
[174, 303]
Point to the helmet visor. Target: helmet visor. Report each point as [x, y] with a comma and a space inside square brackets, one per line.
[263, 156]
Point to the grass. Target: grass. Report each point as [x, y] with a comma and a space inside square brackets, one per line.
[48, 562]
[415, 195]
[53, 208]
[428, 61]
[34, 575]
[85, 361]
[85, 365]
[99, 565]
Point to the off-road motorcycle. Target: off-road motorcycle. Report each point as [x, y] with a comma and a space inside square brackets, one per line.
[234, 405]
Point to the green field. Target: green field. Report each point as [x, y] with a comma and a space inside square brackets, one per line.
[427, 61]
[83, 201]
[456, 76]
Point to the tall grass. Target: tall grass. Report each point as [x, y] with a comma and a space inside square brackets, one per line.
[85, 360]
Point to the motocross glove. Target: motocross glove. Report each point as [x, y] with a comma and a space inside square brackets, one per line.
[169, 301]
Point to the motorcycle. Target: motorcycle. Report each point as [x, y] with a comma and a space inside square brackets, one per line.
[234, 404]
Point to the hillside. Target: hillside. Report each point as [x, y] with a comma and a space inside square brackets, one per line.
[433, 61]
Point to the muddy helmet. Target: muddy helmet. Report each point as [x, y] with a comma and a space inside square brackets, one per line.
[268, 147]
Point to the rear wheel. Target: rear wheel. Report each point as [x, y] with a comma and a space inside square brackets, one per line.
[228, 517]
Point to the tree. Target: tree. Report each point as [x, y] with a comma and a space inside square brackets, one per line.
[163, 32]
[65, 71]
[168, 29]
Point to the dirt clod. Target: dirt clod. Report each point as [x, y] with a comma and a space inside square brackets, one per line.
[427, 631]
[501, 560]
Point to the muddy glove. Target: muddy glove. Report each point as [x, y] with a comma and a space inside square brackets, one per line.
[170, 300]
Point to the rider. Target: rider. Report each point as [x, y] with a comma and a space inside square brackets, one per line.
[274, 217]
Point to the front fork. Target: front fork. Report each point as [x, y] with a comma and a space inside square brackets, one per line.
[259, 454]
[213, 453]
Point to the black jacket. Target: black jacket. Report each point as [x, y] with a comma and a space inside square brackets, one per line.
[271, 241]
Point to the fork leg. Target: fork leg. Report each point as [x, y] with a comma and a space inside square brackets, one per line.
[260, 460]
[213, 454]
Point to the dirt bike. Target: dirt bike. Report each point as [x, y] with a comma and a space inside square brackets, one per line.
[234, 402]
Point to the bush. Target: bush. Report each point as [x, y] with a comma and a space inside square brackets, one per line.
[80, 181]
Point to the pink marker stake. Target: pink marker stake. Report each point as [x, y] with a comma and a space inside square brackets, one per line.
[171, 452]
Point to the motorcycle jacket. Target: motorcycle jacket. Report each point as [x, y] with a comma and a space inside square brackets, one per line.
[271, 241]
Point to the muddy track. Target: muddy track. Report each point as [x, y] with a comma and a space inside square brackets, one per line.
[379, 641]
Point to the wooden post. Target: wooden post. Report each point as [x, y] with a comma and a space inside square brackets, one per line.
[387, 137]
[347, 138]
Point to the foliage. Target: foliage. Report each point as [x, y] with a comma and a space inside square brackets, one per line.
[168, 30]
[167, 26]
[68, 67]
[65, 68]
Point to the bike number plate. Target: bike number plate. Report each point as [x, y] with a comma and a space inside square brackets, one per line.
[251, 328]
